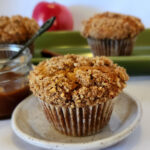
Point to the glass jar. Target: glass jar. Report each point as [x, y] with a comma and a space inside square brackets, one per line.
[13, 78]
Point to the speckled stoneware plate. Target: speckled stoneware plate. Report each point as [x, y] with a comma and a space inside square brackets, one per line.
[30, 124]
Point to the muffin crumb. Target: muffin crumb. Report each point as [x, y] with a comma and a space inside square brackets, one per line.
[110, 25]
[16, 29]
[77, 81]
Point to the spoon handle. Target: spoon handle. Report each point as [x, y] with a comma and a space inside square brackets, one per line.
[42, 29]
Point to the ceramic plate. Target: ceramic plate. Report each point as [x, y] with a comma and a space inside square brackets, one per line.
[29, 123]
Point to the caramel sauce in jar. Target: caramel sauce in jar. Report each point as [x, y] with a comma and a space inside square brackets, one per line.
[13, 80]
[13, 90]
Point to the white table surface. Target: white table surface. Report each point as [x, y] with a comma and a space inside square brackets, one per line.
[139, 140]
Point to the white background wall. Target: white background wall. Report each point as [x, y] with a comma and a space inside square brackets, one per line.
[82, 9]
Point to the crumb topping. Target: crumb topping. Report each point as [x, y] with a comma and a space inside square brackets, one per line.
[77, 81]
[16, 29]
[112, 26]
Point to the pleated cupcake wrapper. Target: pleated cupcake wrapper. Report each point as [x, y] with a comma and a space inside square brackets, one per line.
[109, 47]
[78, 121]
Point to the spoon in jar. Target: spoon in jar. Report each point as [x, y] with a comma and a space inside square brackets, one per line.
[42, 29]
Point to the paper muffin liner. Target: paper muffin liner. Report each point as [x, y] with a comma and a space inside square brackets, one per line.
[110, 47]
[78, 121]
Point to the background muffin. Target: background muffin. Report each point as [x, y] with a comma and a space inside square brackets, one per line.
[111, 34]
[17, 30]
[77, 92]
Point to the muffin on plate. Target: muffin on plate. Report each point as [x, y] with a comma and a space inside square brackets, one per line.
[17, 30]
[77, 93]
[111, 34]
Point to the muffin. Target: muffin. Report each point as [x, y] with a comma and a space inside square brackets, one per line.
[17, 30]
[77, 93]
[111, 34]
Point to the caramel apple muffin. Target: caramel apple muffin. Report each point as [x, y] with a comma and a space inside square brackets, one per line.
[111, 34]
[77, 93]
[17, 30]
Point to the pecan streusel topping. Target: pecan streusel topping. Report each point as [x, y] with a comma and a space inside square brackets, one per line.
[16, 29]
[77, 81]
[112, 26]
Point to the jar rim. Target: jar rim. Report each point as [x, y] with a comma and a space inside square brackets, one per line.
[6, 50]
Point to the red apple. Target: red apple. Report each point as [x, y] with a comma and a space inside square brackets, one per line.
[44, 10]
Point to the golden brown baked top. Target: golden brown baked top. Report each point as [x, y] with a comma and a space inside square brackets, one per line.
[16, 29]
[112, 26]
[73, 80]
